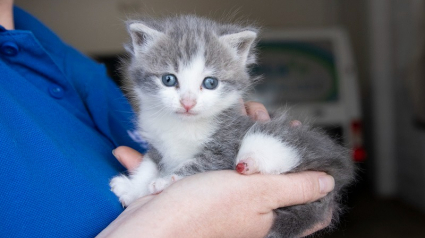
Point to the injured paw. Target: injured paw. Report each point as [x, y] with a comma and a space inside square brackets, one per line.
[247, 166]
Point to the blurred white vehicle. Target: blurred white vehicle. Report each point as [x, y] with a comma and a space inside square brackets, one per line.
[312, 72]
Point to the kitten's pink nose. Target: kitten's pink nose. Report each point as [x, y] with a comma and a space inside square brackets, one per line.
[188, 103]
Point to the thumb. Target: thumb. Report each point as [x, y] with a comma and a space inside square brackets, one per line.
[300, 188]
[128, 157]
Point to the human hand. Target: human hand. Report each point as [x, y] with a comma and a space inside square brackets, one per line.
[256, 111]
[131, 158]
[216, 204]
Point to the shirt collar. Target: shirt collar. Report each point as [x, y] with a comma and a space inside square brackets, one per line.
[54, 46]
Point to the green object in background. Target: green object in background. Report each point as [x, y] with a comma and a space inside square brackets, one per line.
[297, 71]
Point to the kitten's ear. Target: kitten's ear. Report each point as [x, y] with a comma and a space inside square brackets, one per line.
[241, 43]
[142, 36]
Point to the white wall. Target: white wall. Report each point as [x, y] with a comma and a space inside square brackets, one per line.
[409, 39]
[96, 26]
[381, 53]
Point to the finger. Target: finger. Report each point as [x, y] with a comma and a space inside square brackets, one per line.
[297, 188]
[295, 123]
[128, 157]
[257, 111]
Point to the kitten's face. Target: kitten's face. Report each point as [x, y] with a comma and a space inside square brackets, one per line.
[194, 91]
[187, 73]
[191, 91]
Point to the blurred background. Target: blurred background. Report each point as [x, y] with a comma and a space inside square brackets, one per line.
[353, 67]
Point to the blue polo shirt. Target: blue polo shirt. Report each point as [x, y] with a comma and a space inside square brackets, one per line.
[60, 117]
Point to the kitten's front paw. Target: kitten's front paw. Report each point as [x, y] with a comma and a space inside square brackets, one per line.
[159, 184]
[124, 189]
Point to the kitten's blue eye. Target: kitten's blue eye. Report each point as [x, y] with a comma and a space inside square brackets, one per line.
[169, 80]
[210, 83]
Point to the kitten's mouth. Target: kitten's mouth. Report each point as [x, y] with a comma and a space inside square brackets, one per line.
[187, 113]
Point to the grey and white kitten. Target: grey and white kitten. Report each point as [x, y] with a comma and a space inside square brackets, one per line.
[186, 77]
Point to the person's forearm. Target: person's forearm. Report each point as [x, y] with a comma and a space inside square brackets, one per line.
[161, 219]
[6, 14]
[155, 216]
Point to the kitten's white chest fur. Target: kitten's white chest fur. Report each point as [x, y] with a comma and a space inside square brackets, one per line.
[178, 141]
[179, 135]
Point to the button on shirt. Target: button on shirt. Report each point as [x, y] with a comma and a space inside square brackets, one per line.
[9, 48]
[60, 117]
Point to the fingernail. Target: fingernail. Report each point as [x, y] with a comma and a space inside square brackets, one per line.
[295, 123]
[261, 116]
[116, 156]
[326, 183]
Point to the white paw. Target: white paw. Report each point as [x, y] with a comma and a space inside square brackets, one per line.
[262, 153]
[124, 188]
[159, 184]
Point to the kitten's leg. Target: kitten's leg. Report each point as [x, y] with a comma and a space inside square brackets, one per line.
[129, 188]
[262, 153]
[208, 160]
[275, 149]
[292, 222]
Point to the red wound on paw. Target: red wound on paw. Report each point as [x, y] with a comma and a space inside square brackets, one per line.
[240, 167]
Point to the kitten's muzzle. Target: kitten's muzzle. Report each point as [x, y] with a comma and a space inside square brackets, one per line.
[188, 103]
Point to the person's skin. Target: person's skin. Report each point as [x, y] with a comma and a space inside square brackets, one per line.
[213, 204]
[6, 14]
